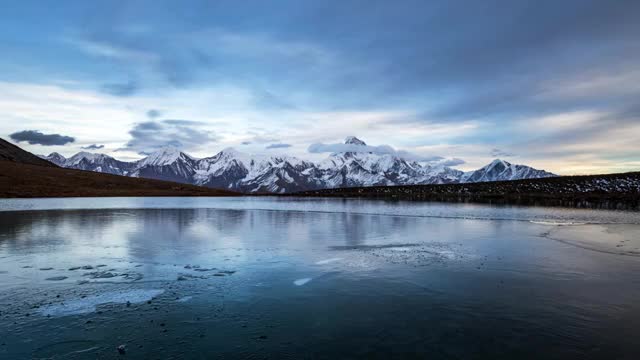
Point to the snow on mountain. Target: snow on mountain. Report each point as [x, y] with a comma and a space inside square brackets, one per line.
[91, 162]
[238, 171]
[168, 164]
[499, 170]
[55, 158]
[224, 170]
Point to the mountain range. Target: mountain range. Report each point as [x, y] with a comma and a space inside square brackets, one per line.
[237, 171]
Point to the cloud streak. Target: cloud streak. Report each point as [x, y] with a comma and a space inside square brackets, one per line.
[93, 147]
[278, 146]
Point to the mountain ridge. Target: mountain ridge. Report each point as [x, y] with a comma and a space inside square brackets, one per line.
[234, 170]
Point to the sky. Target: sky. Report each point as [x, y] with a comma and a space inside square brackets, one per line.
[550, 84]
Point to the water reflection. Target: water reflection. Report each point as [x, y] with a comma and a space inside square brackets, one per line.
[239, 282]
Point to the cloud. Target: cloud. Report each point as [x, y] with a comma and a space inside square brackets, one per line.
[149, 136]
[120, 89]
[153, 114]
[497, 153]
[246, 143]
[268, 100]
[257, 138]
[184, 122]
[450, 162]
[278, 146]
[35, 137]
[379, 150]
[93, 147]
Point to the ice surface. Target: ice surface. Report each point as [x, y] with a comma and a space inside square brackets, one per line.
[302, 281]
[88, 304]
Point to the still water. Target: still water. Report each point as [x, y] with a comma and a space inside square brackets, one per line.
[253, 278]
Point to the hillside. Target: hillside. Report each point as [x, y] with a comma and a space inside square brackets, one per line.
[28, 181]
[10, 152]
[23, 174]
[613, 191]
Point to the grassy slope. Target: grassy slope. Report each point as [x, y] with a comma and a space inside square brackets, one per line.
[25, 180]
[10, 152]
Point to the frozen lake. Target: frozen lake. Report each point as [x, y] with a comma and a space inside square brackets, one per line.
[315, 278]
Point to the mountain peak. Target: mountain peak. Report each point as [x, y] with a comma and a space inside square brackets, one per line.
[498, 161]
[164, 156]
[352, 140]
[85, 155]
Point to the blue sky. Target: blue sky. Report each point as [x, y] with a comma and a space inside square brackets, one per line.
[546, 83]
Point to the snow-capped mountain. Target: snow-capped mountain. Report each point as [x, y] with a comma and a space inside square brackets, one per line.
[166, 164]
[499, 170]
[91, 162]
[55, 158]
[234, 170]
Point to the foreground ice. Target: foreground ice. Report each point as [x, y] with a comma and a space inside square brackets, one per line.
[327, 261]
[88, 304]
[302, 281]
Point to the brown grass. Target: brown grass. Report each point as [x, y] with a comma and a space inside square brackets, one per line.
[29, 181]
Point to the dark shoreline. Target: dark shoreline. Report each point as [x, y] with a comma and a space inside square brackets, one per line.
[612, 191]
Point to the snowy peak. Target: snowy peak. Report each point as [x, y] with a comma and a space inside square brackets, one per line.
[352, 140]
[55, 158]
[500, 170]
[90, 157]
[164, 156]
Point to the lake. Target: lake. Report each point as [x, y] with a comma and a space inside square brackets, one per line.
[280, 278]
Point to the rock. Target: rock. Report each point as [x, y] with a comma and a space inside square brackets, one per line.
[46, 268]
[75, 268]
[121, 349]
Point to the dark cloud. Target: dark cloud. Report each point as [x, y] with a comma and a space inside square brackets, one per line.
[93, 147]
[120, 89]
[34, 137]
[480, 58]
[152, 135]
[278, 146]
